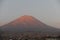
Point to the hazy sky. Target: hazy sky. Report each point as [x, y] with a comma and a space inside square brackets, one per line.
[48, 11]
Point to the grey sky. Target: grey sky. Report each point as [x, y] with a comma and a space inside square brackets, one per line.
[48, 11]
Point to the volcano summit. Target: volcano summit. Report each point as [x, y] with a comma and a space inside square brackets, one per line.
[29, 23]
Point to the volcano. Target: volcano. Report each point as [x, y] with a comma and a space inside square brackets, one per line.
[29, 23]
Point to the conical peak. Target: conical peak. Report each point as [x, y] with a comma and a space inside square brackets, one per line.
[26, 17]
[27, 21]
[23, 19]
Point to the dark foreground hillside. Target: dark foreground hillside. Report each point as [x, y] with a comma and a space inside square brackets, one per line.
[28, 36]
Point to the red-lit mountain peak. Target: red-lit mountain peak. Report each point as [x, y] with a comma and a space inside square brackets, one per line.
[25, 19]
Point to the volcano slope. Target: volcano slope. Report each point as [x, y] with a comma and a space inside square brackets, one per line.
[29, 23]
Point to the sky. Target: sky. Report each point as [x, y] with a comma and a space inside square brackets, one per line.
[47, 11]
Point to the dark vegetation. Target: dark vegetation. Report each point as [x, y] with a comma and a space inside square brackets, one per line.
[26, 36]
